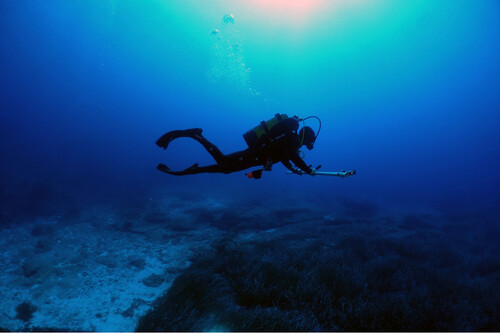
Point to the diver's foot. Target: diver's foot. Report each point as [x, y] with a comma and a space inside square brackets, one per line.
[193, 167]
[169, 136]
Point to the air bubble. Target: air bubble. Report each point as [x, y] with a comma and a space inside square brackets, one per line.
[228, 18]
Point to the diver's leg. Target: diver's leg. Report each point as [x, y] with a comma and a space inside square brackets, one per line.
[211, 148]
[169, 136]
[233, 162]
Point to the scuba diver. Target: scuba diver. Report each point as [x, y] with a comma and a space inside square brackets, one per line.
[276, 140]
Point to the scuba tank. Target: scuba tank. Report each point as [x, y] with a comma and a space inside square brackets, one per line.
[269, 130]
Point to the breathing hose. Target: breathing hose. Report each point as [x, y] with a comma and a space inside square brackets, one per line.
[304, 132]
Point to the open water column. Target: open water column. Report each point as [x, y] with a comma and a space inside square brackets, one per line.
[227, 62]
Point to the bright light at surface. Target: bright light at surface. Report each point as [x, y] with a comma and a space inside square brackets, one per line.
[266, 21]
[288, 14]
[293, 7]
[299, 12]
[295, 11]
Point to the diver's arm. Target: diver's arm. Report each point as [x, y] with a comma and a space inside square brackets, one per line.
[301, 164]
[288, 165]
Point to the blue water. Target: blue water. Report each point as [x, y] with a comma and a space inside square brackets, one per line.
[407, 92]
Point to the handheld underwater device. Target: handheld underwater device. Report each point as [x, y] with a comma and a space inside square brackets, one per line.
[341, 174]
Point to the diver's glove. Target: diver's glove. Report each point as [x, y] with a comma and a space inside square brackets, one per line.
[314, 170]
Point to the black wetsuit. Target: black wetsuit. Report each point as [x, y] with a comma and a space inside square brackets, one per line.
[284, 149]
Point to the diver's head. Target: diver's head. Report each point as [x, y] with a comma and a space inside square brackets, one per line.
[307, 137]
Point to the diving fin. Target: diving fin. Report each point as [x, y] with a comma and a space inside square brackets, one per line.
[163, 168]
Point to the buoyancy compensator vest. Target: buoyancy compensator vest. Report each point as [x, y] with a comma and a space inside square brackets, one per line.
[270, 130]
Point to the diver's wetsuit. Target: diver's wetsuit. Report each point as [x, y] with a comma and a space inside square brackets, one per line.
[283, 149]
